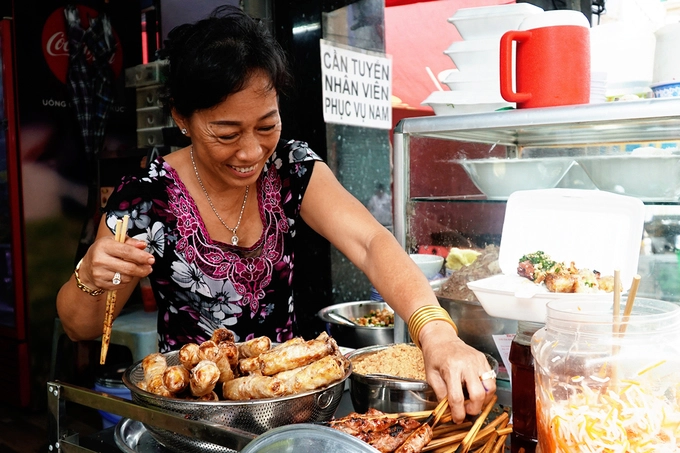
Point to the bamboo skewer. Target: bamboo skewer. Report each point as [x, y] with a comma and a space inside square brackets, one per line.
[120, 234]
[467, 442]
[617, 299]
[629, 304]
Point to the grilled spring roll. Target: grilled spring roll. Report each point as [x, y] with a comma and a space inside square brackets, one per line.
[176, 378]
[188, 355]
[253, 387]
[153, 365]
[203, 378]
[212, 396]
[253, 365]
[254, 347]
[321, 373]
[226, 360]
[222, 334]
[208, 350]
[296, 355]
[156, 386]
[230, 351]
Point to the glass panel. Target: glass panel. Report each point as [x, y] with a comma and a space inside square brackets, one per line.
[444, 207]
[359, 157]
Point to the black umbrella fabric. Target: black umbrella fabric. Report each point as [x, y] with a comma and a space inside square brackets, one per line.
[90, 85]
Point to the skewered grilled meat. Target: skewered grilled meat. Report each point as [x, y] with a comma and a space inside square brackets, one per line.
[386, 434]
[417, 440]
[354, 423]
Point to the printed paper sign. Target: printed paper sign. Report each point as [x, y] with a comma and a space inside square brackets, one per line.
[357, 87]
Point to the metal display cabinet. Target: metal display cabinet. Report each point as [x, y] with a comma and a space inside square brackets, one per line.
[436, 203]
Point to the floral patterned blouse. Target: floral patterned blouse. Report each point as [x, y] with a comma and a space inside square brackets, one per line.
[201, 284]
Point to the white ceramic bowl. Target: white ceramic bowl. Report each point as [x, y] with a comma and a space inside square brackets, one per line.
[431, 265]
[498, 178]
[482, 55]
[465, 102]
[648, 177]
[491, 21]
[666, 89]
[473, 81]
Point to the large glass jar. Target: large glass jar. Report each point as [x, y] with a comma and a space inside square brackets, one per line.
[606, 384]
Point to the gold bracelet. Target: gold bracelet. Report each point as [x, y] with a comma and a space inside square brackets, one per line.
[425, 314]
[84, 288]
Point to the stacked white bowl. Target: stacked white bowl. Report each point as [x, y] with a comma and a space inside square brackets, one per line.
[475, 86]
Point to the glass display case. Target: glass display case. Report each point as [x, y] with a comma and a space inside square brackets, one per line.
[635, 143]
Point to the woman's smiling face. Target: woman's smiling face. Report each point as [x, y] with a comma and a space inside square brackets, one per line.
[234, 139]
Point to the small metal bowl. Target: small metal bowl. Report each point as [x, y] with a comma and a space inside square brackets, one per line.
[356, 336]
[392, 394]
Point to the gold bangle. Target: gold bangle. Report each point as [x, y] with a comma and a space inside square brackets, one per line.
[84, 288]
[425, 314]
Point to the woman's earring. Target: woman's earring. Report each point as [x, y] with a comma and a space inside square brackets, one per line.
[184, 131]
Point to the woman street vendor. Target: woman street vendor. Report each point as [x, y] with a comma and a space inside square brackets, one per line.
[213, 225]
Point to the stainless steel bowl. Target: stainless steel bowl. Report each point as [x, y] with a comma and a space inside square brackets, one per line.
[255, 416]
[356, 336]
[392, 394]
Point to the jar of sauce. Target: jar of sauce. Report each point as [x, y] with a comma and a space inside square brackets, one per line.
[523, 389]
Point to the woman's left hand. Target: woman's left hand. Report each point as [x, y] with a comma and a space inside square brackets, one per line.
[451, 364]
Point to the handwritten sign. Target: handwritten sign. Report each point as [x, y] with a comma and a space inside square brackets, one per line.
[357, 87]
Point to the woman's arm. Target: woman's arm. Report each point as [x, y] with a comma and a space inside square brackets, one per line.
[335, 214]
[81, 314]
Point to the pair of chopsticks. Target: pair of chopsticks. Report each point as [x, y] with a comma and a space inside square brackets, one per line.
[120, 234]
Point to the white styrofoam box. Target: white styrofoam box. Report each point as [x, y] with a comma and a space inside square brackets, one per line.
[491, 21]
[596, 230]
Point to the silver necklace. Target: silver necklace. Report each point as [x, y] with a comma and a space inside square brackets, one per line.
[234, 237]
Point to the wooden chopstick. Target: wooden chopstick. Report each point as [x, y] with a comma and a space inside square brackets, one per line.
[629, 304]
[120, 234]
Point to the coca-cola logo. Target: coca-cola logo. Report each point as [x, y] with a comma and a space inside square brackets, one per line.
[55, 43]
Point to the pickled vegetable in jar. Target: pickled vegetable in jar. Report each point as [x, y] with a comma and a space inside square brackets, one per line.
[606, 384]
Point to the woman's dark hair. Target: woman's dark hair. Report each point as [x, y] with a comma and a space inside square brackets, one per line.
[215, 57]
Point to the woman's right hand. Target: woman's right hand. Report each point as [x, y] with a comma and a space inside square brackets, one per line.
[106, 257]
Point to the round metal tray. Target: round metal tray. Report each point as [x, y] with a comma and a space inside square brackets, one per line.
[132, 436]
